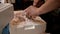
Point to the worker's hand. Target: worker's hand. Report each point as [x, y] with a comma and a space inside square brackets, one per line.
[32, 11]
[35, 2]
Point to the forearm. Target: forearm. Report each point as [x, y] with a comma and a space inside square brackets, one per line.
[48, 6]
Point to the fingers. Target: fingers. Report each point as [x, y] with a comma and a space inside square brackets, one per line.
[31, 12]
[35, 2]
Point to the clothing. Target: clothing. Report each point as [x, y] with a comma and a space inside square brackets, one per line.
[6, 30]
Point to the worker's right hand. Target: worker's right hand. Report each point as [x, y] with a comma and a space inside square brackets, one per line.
[32, 11]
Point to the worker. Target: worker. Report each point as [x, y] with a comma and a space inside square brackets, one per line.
[48, 6]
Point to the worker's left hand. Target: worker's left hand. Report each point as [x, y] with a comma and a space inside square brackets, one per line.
[32, 11]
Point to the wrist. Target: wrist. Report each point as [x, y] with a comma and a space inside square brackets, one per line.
[37, 11]
[40, 11]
